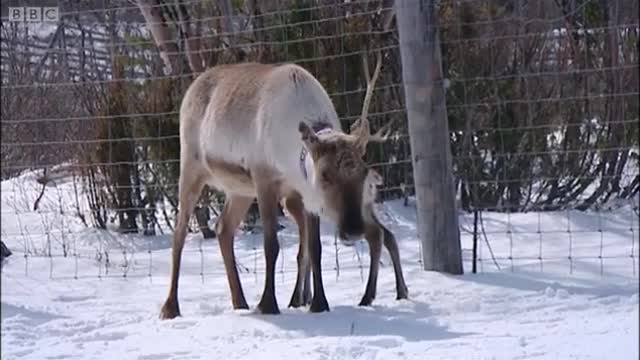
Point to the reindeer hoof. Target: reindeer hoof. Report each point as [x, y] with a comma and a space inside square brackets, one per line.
[402, 294]
[367, 300]
[170, 310]
[243, 306]
[268, 309]
[240, 304]
[268, 305]
[319, 305]
[298, 300]
[295, 303]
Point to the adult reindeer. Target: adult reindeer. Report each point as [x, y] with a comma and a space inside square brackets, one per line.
[271, 132]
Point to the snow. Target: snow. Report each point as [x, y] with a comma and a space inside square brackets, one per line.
[78, 307]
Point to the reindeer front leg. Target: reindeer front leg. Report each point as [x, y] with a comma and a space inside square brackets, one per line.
[392, 246]
[267, 205]
[373, 235]
[312, 223]
[302, 292]
[377, 234]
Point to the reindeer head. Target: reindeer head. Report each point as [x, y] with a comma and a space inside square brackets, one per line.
[346, 185]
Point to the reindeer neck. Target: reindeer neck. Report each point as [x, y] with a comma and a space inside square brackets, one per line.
[310, 195]
[306, 161]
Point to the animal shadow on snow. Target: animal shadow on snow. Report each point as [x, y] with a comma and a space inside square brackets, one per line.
[536, 282]
[414, 324]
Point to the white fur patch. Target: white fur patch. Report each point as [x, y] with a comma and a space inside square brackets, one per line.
[370, 189]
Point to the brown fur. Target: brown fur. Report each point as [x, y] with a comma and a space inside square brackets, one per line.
[228, 98]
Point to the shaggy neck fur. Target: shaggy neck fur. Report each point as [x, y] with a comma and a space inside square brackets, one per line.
[312, 199]
[306, 161]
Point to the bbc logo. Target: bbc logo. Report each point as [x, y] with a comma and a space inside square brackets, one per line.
[34, 14]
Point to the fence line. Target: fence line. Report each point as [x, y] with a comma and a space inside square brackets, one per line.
[541, 99]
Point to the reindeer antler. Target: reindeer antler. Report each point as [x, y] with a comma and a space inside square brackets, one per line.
[383, 133]
[360, 128]
[371, 81]
[371, 84]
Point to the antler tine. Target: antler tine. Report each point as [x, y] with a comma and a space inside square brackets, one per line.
[383, 133]
[361, 125]
[371, 82]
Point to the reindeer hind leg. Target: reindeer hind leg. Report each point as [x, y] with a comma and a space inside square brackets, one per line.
[190, 186]
[235, 208]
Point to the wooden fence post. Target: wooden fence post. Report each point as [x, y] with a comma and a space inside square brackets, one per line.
[437, 215]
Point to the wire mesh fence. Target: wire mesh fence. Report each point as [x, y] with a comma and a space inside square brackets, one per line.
[542, 102]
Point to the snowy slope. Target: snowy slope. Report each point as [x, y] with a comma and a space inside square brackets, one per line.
[554, 308]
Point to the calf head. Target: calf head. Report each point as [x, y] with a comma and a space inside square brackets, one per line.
[347, 187]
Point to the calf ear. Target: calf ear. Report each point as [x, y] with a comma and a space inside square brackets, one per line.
[309, 137]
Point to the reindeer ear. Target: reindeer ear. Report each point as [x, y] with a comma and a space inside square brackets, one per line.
[309, 137]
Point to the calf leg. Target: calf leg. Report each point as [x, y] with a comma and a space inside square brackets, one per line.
[392, 246]
[189, 188]
[312, 225]
[302, 292]
[373, 235]
[268, 205]
[235, 208]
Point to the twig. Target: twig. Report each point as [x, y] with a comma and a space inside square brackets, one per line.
[43, 180]
[487, 241]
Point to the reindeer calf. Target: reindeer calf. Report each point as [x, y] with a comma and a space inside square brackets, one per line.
[271, 132]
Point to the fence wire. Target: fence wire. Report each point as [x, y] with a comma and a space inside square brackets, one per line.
[542, 100]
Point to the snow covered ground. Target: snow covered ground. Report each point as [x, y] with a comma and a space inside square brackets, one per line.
[78, 307]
